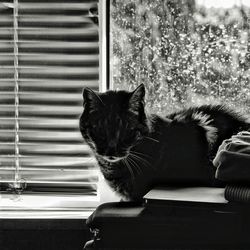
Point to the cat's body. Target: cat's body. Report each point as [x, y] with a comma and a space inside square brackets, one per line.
[136, 152]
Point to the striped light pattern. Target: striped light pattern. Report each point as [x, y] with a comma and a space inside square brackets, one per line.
[49, 51]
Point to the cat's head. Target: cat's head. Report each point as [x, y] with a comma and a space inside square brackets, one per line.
[113, 122]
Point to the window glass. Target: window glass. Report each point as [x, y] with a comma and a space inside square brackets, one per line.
[185, 52]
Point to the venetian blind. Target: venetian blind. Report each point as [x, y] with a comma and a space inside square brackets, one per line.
[49, 51]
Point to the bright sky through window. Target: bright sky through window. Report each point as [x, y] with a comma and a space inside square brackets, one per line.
[223, 3]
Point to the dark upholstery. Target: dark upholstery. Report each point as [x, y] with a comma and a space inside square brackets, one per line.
[115, 212]
[126, 225]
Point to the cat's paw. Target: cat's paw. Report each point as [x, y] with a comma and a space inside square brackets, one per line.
[125, 199]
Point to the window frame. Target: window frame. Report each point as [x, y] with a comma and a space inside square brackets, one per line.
[11, 200]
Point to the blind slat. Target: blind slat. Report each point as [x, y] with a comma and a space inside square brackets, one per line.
[46, 149]
[53, 47]
[54, 6]
[69, 86]
[35, 60]
[52, 162]
[80, 71]
[41, 56]
[42, 136]
[40, 97]
[41, 123]
[51, 31]
[77, 85]
[53, 176]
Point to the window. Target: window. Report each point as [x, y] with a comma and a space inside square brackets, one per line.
[49, 51]
[186, 52]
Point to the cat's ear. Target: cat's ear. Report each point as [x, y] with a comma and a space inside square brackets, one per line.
[91, 99]
[137, 98]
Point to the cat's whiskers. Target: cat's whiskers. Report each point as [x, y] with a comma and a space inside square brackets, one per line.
[150, 138]
[140, 159]
[133, 156]
[140, 154]
[129, 168]
[135, 165]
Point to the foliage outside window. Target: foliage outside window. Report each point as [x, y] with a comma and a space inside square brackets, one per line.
[184, 52]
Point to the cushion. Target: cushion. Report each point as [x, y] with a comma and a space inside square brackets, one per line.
[233, 159]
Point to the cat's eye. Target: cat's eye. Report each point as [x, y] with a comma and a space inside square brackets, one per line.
[138, 135]
[135, 134]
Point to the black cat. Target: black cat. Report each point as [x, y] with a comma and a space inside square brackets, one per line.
[136, 151]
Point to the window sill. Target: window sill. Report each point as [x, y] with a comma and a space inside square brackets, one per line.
[30, 206]
[53, 206]
[31, 214]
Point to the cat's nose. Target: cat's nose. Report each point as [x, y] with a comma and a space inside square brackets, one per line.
[111, 157]
[112, 144]
[110, 151]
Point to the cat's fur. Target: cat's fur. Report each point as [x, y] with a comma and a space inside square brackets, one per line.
[136, 151]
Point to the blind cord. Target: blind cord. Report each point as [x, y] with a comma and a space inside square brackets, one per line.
[18, 184]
